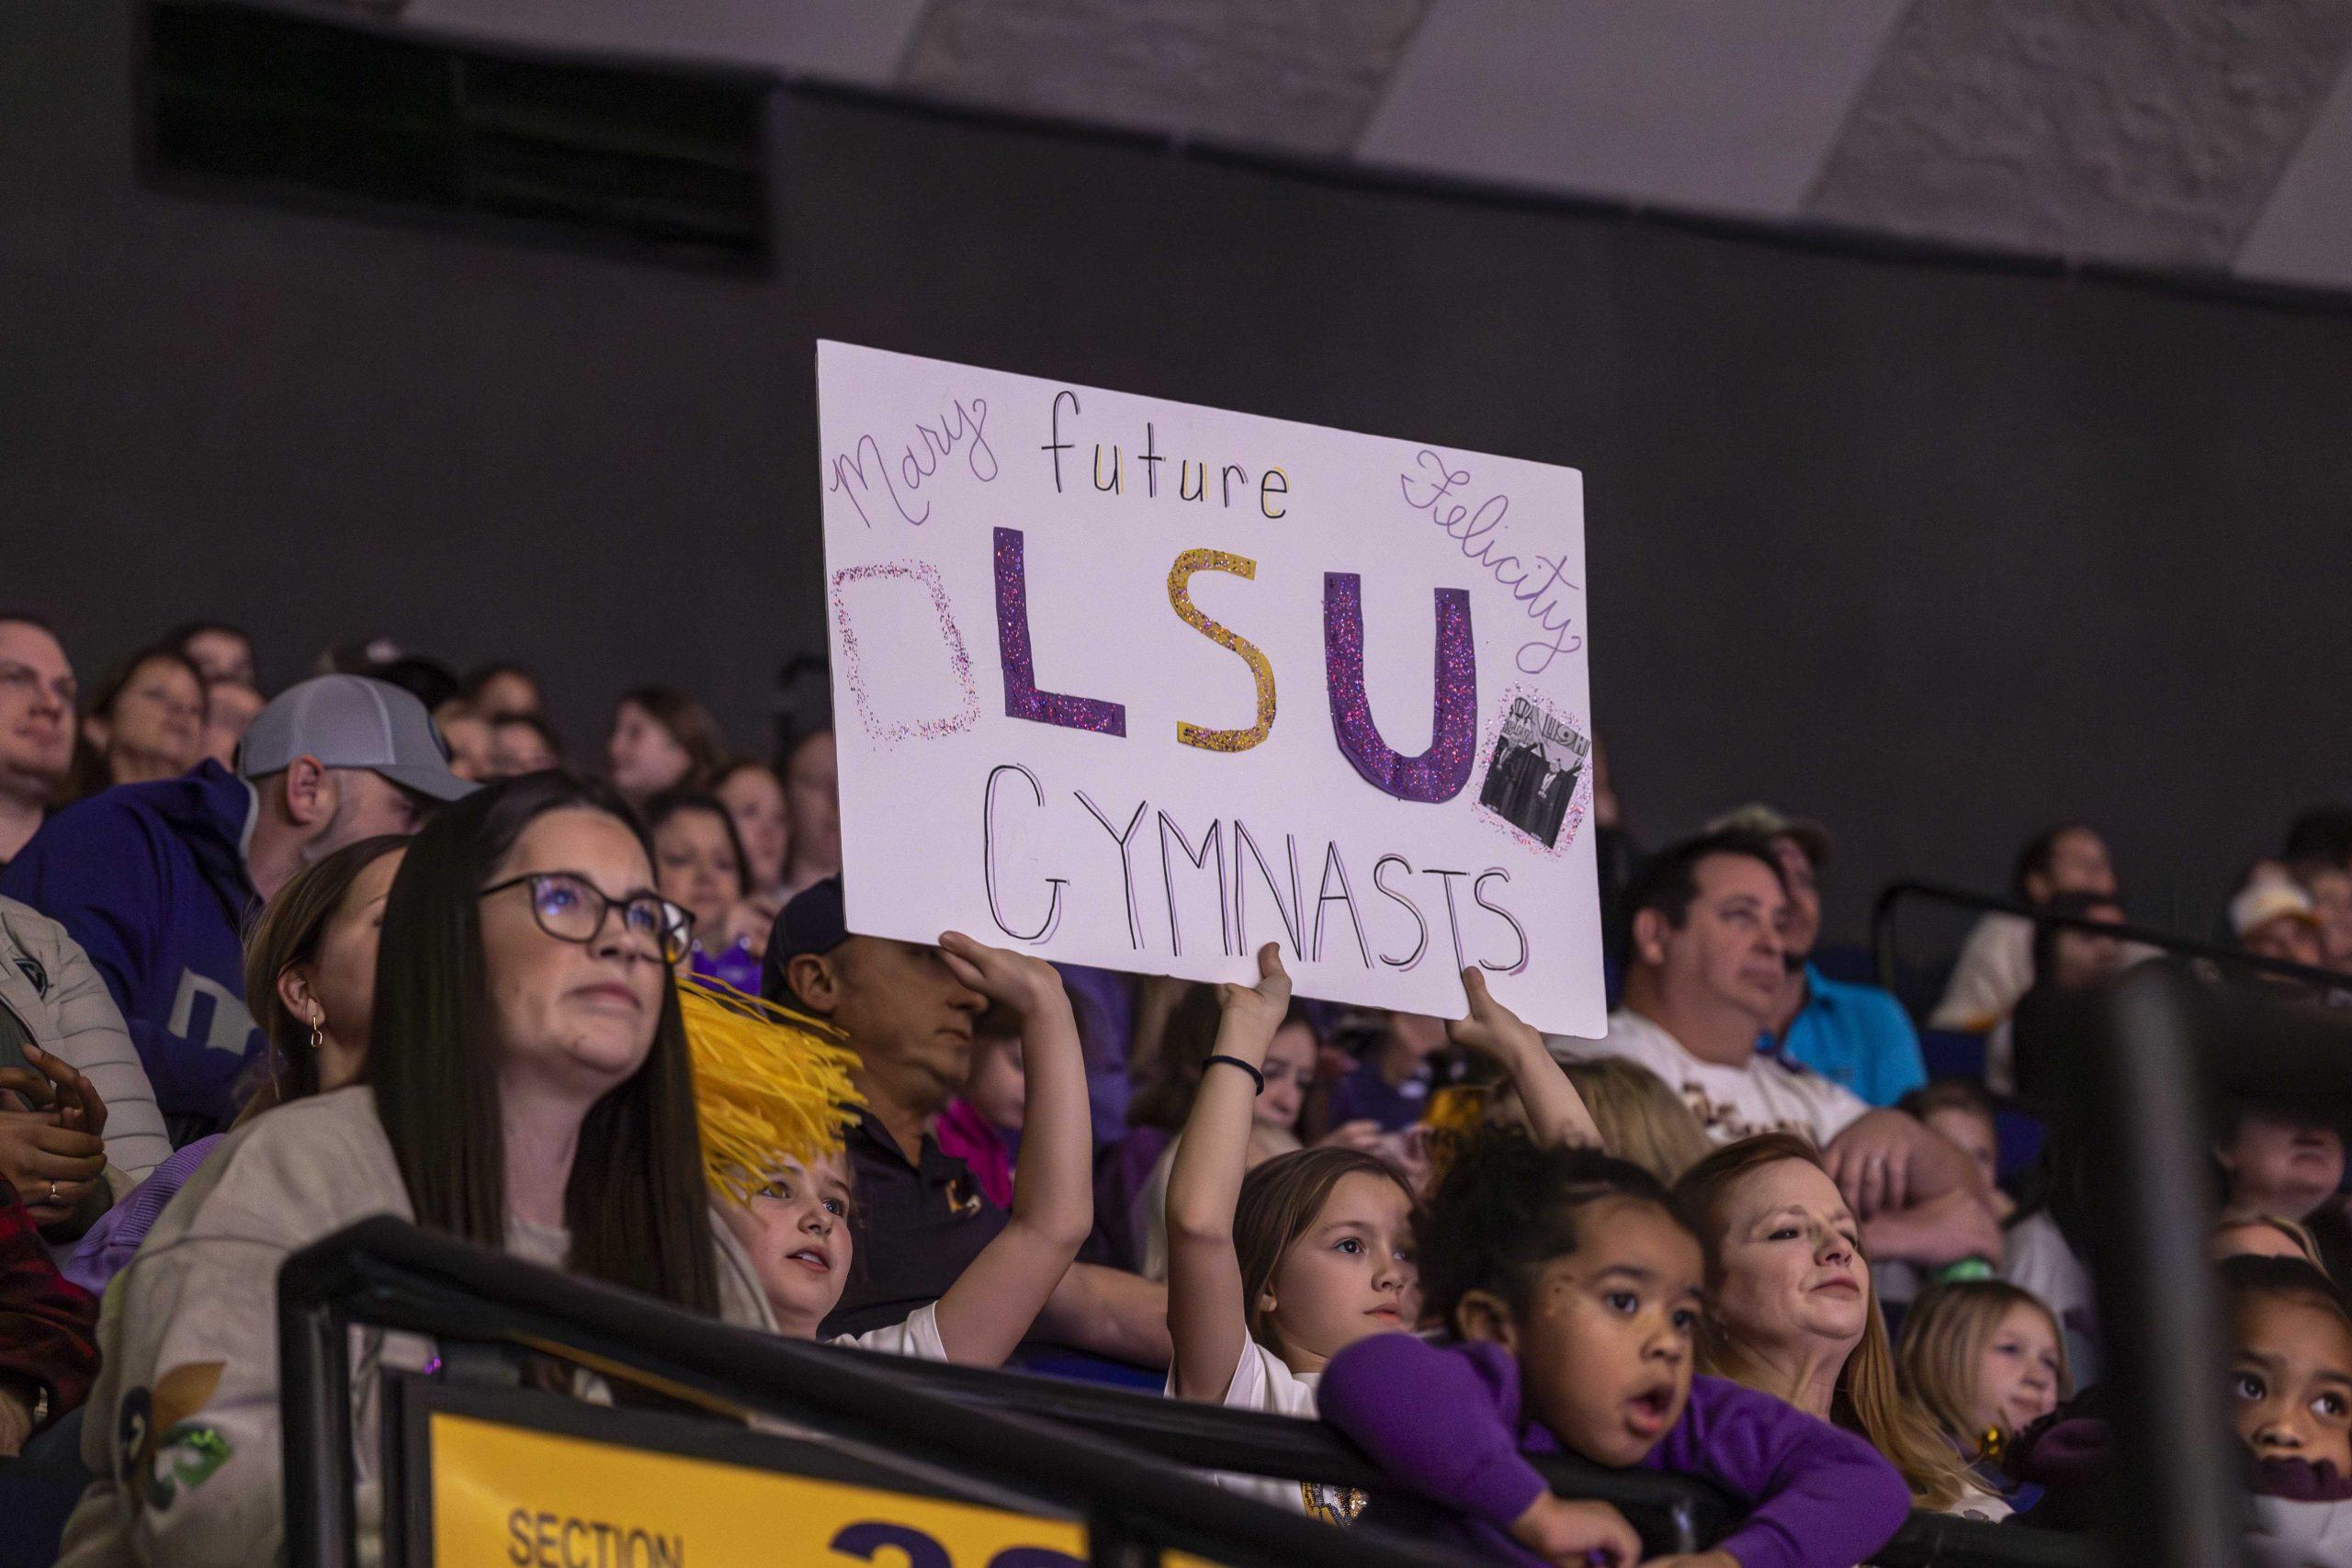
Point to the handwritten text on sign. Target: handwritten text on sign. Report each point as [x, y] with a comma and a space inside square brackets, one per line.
[1143, 684]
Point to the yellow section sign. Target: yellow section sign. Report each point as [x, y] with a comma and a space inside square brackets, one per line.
[516, 1497]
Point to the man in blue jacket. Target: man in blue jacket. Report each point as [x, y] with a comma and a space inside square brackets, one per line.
[159, 882]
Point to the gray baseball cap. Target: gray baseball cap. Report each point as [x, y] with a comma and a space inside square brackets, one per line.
[350, 721]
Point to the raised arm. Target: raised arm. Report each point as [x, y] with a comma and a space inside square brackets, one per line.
[1208, 1321]
[1556, 1112]
[1111, 1313]
[991, 1304]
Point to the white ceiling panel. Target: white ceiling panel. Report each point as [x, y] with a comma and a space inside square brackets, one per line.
[1687, 103]
[1299, 74]
[845, 41]
[2149, 133]
[2305, 234]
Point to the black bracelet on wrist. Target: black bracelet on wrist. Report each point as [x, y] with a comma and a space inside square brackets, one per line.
[1255, 1076]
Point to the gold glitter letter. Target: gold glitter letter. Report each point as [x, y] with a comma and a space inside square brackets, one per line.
[1180, 595]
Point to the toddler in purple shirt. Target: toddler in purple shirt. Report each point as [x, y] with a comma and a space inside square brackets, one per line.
[1577, 1295]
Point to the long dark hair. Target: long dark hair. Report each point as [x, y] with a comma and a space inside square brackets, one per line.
[635, 1203]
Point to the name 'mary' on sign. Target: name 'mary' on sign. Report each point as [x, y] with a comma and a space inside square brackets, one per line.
[1143, 684]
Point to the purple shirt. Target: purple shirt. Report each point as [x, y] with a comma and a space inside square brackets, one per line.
[107, 1246]
[1446, 1424]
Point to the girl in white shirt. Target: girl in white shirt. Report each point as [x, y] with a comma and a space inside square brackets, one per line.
[793, 1220]
[1271, 1274]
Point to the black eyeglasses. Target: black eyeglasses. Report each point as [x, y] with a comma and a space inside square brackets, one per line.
[570, 908]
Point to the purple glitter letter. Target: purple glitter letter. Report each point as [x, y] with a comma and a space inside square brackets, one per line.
[1021, 697]
[1440, 772]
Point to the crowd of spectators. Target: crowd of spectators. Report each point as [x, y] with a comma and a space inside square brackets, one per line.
[381, 943]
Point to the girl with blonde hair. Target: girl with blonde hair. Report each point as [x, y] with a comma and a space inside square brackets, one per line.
[1985, 1358]
[1640, 1119]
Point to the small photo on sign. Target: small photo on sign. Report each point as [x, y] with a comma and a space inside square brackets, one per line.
[1532, 776]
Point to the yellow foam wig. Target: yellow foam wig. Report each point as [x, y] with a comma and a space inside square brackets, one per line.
[768, 1082]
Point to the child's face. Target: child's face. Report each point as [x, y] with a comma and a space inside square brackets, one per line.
[2291, 1380]
[1605, 1344]
[1290, 1068]
[2278, 1166]
[797, 1230]
[1974, 1135]
[2017, 1377]
[1350, 1276]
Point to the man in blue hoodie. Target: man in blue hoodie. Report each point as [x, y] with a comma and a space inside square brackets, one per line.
[159, 882]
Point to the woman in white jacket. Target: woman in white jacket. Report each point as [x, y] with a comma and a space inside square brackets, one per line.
[51, 992]
[524, 1015]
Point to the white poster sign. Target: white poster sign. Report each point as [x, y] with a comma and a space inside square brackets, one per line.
[1145, 685]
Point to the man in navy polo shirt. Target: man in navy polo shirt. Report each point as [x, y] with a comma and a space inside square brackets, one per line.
[159, 882]
[920, 1218]
[1855, 1035]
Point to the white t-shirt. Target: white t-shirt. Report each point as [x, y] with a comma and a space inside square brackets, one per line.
[1261, 1381]
[1993, 969]
[1765, 1095]
[917, 1337]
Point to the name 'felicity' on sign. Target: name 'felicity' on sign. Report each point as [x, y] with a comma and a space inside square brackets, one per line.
[1143, 684]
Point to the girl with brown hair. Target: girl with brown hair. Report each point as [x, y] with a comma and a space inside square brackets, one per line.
[1792, 1311]
[310, 984]
[1271, 1274]
[662, 739]
[311, 969]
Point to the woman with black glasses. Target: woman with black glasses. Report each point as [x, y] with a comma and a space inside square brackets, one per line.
[526, 1087]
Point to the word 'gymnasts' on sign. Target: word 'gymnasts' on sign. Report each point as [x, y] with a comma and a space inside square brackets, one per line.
[1333, 922]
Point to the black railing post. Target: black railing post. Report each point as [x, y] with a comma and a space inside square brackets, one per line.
[2139, 1111]
[314, 1385]
[1112, 1541]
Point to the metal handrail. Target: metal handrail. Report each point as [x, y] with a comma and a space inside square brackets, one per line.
[1882, 933]
[386, 1274]
[1007, 1428]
